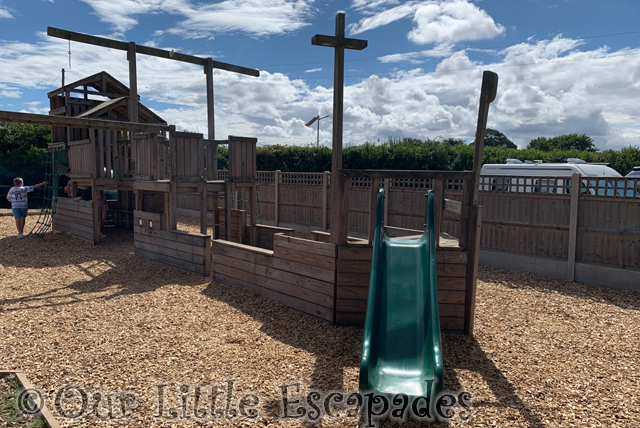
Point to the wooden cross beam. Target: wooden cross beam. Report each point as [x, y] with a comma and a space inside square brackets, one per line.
[340, 43]
[132, 49]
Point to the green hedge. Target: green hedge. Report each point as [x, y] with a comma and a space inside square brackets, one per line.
[414, 154]
[23, 152]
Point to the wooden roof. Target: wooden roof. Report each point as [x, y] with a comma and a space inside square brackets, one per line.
[105, 85]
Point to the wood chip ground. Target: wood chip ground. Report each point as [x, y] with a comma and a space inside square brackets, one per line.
[546, 353]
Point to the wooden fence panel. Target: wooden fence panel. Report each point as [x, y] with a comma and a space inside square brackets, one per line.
[526, 219]
[609, 231]
[183, 250]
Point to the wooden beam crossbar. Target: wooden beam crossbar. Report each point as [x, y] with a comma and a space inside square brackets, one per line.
[146, 50]
[40, 119]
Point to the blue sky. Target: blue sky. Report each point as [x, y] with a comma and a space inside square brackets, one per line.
[565, 66]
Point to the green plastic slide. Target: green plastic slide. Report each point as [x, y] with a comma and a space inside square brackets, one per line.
[401, 352]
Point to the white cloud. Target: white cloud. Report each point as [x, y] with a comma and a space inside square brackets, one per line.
[436, 22]
[120, 13]
[452, 22]
[4, 12]
[546, 87]
[384, 17]
[372, 4]
[256, 17]
[439, 51]
[313, 70]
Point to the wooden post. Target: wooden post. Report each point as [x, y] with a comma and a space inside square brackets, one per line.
[211, 154]
[96, 219]
[464, 218]
[68, 113]
[340, 208]
[167, 208]
[373, 199]
[573, 226]
[487, 95]
[138, 200]
[438, 190]
[227, 209]
[172, 221]
[276, 196]
[253, 234]
[325, 185]
[133, 83]
[203, 188]
[473, 209]
[387, 195]
[173, 194]
[102, 169]
[339, 43]
[473, 252]
[203, 207]
[94, 153]
[208, 255]
[208, 71]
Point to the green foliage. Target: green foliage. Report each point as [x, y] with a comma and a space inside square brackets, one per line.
[23, 152]
[418, 154]
[294, 158]
[581, 143]
[494, 138]
[9, 414]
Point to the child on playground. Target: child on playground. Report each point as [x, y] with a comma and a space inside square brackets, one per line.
[17, 195]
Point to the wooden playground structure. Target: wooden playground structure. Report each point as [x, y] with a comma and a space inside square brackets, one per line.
[120, 145]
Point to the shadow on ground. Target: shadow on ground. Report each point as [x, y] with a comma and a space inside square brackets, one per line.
[336, 348]
[111, 268]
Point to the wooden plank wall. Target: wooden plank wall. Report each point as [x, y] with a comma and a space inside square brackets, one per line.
[150, 156]
[107, 159]
[149, 220]
[237, 229]
[298, 273]
[111, 156]
[75, 217]
[81, 157]
[353, 272]
[183, 250]
[153, 202]
[609, 231]
[300, 202]
[266, 194]
[187, 147]
[526, 223]
[266, 235]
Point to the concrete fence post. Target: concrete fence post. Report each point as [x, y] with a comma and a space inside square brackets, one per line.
[276, 196]
[325, 188]
[573, 226]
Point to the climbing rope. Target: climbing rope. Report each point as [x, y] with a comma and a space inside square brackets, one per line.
[50, 200]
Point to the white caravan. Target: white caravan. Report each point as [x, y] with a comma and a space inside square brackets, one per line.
[635, 173]
[539, 177]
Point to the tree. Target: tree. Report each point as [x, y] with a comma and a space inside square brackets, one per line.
[579, 142]
[23, 151]
[494, 138]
